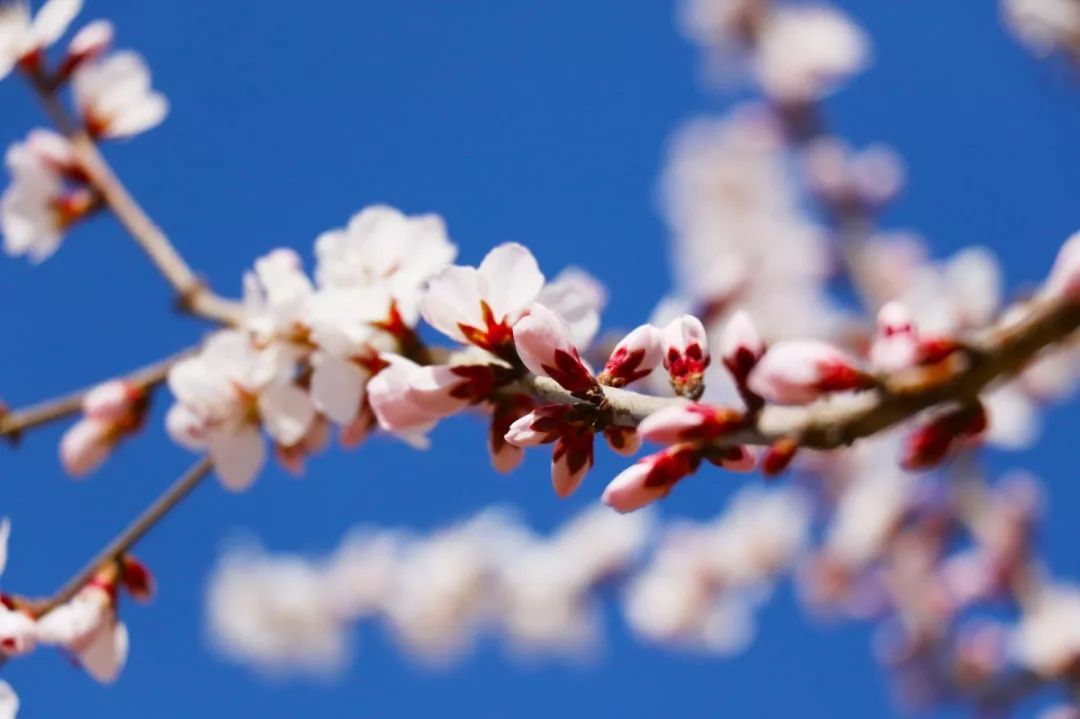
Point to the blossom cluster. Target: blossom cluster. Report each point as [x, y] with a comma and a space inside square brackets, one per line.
[491, 576]
[50, 191]
[899, 528]
[436, 594]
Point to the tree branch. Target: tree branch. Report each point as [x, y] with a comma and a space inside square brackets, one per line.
[14, 422]
[834, 422]
[192, 294]
[124, 541]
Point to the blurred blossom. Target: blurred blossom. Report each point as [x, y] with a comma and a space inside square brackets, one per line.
[741, 238]
[704, 579]
[436, 593]
[805, 51]
[273, 612]
[577, 297]
[872, 504]
[115, 98]
[1047, 639]
[1044, 25]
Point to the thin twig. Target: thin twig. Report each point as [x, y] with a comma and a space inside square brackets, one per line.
[124, 541]
[830, 423]
[14, 422]
[192, 293]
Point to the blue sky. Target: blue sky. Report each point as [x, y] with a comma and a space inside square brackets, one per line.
[540, 122]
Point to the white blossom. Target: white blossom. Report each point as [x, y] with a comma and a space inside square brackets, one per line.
[115, 98]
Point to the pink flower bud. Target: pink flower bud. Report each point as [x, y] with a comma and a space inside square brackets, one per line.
[1065, 276]
[112, 401]
[85, 445]
[505, 457]
[390, 394]
[686, 355]
[651, 478]
[693, 422]
[543, 425]
[571, 460]
[740, 346]
[636, 355]
[544, 343]
[896, 344]
[800, 371]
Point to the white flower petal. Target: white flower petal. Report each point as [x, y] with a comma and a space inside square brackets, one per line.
[238, 457]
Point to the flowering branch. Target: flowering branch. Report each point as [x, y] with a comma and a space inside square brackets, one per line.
[192, 293]
[131, 534]
[1001, 351]
[14, 422]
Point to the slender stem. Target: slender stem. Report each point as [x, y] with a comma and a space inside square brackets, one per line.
[14, 422]
[1001, 351]
[135, 531]
[192, 293]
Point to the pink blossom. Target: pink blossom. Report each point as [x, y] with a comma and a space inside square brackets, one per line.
[634, 357]
[479, 305]
[571, 459]
[543, 342]
[651, 478]
[686, 355]
[692, 422]
[800, 371]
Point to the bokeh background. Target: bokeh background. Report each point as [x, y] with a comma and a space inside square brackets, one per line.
[539, 122]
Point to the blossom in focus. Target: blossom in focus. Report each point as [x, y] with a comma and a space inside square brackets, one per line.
[408, 398]
[544, 344]
[635, 357]
[572, 454]
[577, 297]
[277, 295]
[651, 478]
[693, 422]
[21, 36]
[111, 411]
[226, 393]
[686, 355]
[114, 96]
[479, 305]
[383, 247]
[800, 371]
[805, 51]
